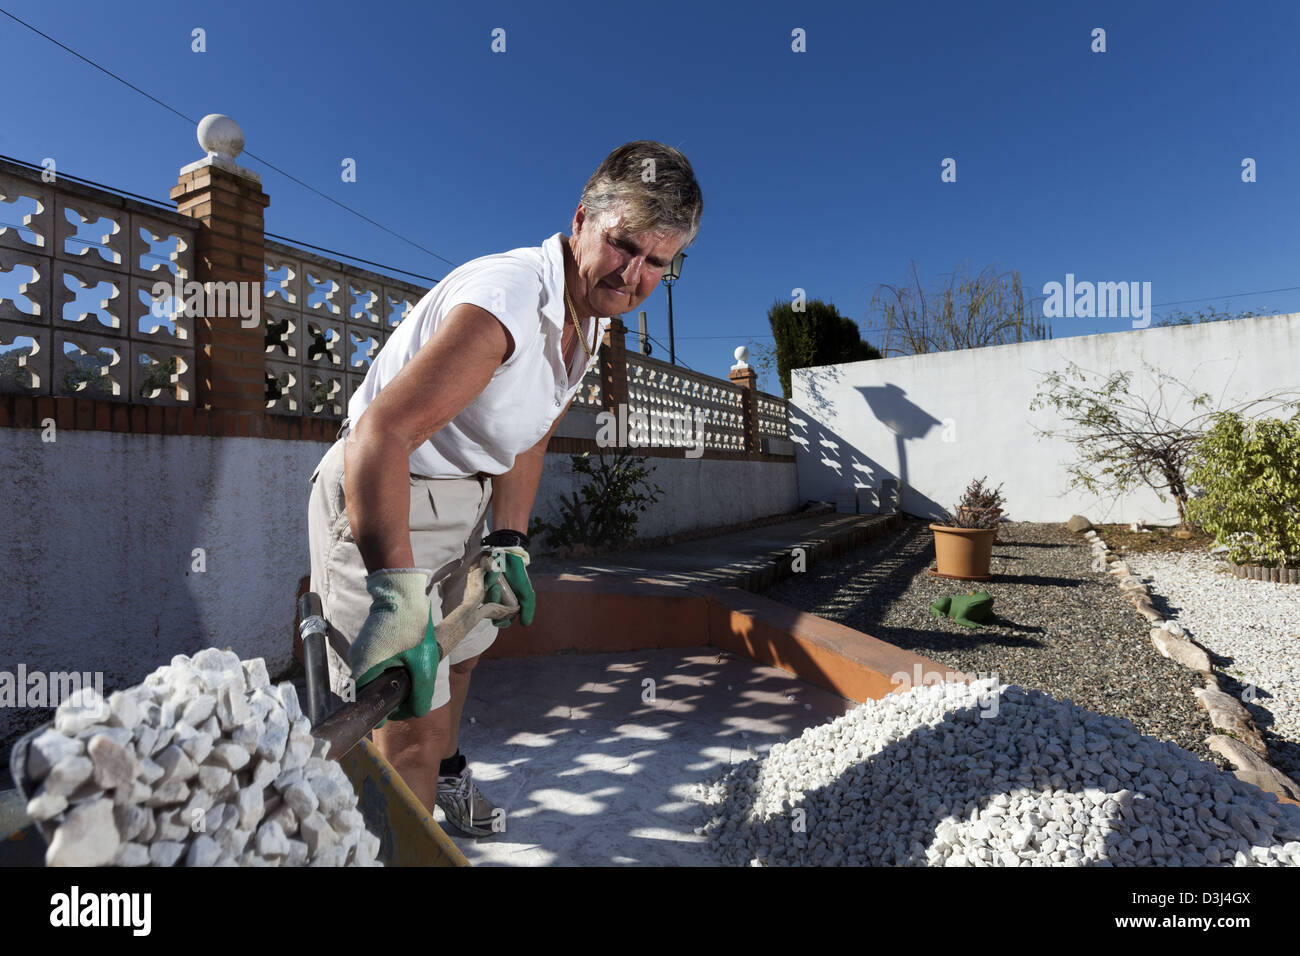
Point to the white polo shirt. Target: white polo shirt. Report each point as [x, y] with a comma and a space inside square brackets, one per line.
[524, 289]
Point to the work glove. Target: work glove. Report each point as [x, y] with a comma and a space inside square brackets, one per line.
[399, 630]
[510, 562]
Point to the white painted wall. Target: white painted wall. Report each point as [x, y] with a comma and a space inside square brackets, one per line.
[858, 422]
[95, 562]
[699, 493]
[96, 565]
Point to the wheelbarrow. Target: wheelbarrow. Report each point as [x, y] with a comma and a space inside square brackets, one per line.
[408, 834]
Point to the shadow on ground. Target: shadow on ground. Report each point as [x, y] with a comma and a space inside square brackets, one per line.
[594, 766]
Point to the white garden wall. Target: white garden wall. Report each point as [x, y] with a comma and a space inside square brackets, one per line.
[936, 421]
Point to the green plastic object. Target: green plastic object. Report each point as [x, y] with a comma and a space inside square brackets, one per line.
[966, 609]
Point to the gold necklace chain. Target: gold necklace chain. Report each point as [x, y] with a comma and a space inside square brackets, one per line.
[573, 313]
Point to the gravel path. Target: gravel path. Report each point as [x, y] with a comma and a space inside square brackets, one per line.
[1250, 628]
[1059, 627]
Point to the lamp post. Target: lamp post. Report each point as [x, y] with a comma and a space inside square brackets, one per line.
[671, 275]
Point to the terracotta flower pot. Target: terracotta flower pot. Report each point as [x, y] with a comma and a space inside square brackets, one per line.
[963, 553]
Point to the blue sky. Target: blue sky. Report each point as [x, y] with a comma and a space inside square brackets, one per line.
[820, 170]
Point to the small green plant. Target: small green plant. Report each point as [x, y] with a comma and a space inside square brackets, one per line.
[1247, 475]
[603, 513]
[978, 507]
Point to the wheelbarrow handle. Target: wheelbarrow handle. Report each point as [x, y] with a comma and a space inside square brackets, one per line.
[313, 630]
[344, 728]
[347, 725]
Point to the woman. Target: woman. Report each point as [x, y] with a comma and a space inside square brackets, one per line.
[455, 414]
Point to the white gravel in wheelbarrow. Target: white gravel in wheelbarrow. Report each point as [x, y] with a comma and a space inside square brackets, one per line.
[204, 764]
[988, 774]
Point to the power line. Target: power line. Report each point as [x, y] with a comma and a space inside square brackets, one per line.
[1210, 298]
[254, 156]
[738, 335]
[168, 206]
[346, 255]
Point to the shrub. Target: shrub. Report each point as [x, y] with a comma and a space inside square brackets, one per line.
[978, 507]
[603, 513]
[1247, 475]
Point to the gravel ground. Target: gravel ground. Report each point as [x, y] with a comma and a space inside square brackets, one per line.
[1059, 627]
[1250, 628]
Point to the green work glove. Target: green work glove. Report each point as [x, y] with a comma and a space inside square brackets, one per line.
[512, 562]
[399, 630]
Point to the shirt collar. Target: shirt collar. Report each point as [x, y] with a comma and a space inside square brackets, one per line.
[555, 308]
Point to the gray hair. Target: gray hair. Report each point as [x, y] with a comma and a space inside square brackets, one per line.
[655, 184]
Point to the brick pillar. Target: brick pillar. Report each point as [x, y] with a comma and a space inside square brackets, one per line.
[613, 366]
[228, 203]
[747, 378]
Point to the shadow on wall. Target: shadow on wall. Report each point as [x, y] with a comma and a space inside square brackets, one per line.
[829, 461]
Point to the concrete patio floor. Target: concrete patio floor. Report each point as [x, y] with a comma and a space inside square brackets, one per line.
[590, 774]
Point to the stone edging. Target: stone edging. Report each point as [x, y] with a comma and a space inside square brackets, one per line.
[1245, 748]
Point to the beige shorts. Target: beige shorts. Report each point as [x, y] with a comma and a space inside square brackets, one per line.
[448, 521]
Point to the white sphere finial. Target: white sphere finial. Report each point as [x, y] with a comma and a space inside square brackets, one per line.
[741, 354]
[220, 135]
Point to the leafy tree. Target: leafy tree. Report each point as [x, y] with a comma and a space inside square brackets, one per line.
[158, 378]
[1123, 439]
[12, 369]
[966, 312]
[815, 334]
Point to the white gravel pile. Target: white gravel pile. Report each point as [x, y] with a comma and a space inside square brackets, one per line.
[204, 764]
[1256, 623]
[922, 779]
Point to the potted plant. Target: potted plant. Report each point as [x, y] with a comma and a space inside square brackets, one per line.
[963, 544]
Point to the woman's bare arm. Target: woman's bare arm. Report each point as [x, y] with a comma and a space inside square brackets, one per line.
[443, 377]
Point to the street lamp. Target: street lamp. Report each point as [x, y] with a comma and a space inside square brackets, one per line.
[671, 275]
